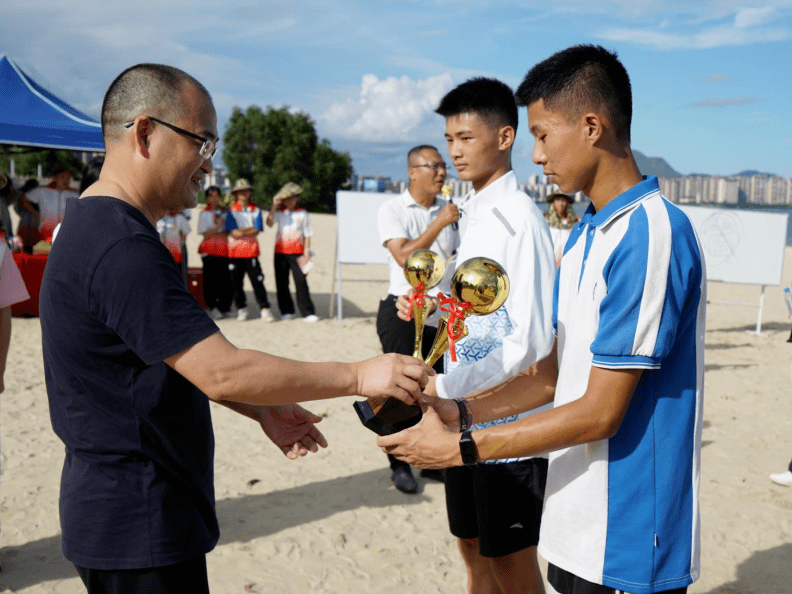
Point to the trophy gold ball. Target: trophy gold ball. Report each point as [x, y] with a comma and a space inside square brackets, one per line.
[424, 266]
[481, 282]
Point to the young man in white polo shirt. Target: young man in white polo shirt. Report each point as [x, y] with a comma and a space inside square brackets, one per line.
[494, 509]
[416, 219]
[621, 509]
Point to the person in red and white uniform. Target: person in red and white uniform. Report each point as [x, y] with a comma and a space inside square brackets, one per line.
[173, 228]
[51, 200]
[292, 251]
[244, 223]
[217, 284]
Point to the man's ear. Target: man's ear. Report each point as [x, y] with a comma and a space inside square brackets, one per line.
[143, 129]
[410, 170]
[505, 138]
[593, 127]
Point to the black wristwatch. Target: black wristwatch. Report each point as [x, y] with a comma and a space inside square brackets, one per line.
[467, 447]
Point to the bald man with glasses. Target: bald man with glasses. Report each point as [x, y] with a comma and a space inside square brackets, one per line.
[132, 361]
[416, 219]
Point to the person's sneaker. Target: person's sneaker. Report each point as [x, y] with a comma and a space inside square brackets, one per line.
[266, 315]
[242, 315]
[402, 477]
[215, 314]
[782, 478]
[311, 319]
[287, 316]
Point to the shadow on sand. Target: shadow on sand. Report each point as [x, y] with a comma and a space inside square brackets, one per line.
[241, 519]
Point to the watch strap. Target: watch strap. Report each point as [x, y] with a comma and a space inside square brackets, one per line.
[467, 448]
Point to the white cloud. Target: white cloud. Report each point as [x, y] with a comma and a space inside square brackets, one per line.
[717, 78]
[724, 102]
[712, 37]
[388, 110]
[754, 17]
[703, 25]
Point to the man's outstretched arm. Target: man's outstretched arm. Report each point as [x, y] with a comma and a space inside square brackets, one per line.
[226, 373]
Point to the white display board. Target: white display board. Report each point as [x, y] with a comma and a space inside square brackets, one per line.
[357, 238]
[741, 246]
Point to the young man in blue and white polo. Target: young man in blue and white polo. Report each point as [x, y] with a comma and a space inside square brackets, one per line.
[621, 505]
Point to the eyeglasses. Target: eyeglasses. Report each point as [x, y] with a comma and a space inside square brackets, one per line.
[208, 149]
[435, 166]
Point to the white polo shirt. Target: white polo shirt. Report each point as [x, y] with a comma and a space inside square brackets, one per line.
[504, 224]
[402, 217]
[630, 294]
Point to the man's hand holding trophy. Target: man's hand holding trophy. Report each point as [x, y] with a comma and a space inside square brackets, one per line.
[479, 287]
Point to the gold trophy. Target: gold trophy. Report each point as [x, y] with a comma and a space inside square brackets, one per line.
[424, 270]
[479, 287]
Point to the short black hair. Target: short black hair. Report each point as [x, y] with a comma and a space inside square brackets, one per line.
[150, 89]
[580, 78]
[213, 189]
[418, 149]
[491, 99]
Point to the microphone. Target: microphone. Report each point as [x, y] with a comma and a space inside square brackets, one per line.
[446, 193]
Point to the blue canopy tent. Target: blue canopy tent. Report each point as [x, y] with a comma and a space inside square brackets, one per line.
[32, 116]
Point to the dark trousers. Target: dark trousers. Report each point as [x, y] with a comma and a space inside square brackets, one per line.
[284, 263]
[398, 336]
[251, 266]
[218, 288]
[187, 576]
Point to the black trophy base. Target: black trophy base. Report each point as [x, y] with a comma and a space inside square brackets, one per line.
[387, 416]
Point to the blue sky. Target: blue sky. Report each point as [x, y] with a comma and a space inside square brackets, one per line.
[712, 80]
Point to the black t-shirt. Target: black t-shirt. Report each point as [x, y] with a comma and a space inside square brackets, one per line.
[137, 486]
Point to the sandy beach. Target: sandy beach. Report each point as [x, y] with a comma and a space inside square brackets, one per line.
[333, 522]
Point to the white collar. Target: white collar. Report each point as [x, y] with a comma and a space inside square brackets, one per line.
[476, 201]
[410, 201]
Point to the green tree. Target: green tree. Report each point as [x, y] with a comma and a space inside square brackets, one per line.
[26, 161]
[273, 147]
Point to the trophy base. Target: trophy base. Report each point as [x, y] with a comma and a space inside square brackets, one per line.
[385, 416]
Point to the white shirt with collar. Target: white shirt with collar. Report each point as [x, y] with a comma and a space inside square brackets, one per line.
[504, 224]
[402, 217]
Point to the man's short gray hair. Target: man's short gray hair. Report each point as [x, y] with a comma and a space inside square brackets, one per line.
[144, 89]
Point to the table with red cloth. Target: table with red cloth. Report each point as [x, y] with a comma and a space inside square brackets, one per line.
[31, 266]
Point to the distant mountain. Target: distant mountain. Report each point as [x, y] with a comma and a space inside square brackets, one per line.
[654, 166]
[751, 173]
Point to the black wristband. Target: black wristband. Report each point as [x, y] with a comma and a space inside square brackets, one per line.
[464, 415]
[467, 448]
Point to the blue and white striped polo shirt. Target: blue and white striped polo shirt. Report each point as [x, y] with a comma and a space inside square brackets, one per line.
[630, 293]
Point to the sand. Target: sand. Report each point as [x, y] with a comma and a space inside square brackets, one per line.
[334, 523]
